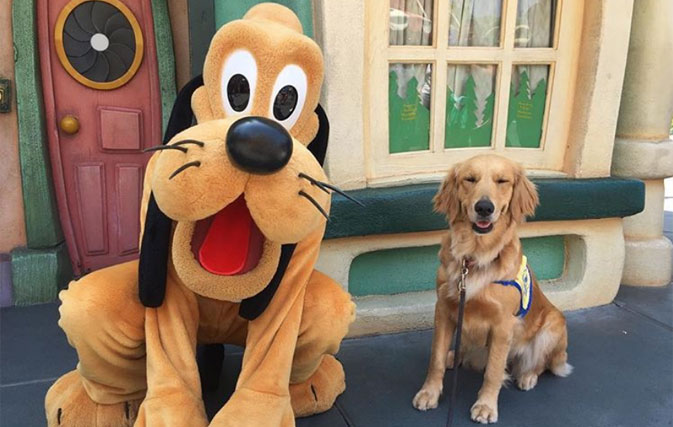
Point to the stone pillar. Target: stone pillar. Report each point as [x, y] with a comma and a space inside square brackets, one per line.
[643, 148]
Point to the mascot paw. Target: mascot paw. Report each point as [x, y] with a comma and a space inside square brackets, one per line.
[68, 404]
[318, 393]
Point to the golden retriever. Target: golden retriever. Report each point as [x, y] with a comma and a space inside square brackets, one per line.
[484, 199]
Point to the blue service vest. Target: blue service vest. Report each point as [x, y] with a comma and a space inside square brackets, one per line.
[524, 284]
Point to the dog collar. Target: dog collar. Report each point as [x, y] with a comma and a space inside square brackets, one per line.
[524, 284]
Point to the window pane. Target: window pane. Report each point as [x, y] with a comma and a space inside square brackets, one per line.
[410, 22]
[535, 23]
[469, 105]
[409, 107]
[527, 99]
[475, 22]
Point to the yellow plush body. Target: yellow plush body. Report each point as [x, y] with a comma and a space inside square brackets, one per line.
[137, 364]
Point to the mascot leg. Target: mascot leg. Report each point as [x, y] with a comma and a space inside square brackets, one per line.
[104, 320]
[317, 378]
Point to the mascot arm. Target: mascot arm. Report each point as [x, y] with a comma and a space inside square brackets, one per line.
[173, 385]
[262, 394]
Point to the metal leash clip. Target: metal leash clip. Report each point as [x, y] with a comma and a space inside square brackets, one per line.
[463, 276]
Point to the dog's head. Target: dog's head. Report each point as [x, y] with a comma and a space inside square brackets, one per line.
[485, 189]
[243, 185]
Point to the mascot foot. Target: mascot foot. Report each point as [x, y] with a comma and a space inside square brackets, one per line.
[318, 393]
[68, 404]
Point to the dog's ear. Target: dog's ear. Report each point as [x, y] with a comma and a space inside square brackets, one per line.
[155, 246]
[446, 200]
[524, 197]
[318, 146]
[153, 263]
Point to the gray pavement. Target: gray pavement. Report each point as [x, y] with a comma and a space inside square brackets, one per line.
[622, 354]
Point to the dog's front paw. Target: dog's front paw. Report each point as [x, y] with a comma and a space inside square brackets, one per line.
[527, 381]
[427, 397]
[484, 413]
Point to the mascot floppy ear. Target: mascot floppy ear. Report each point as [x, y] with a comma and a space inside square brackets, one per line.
[155, 247]
[153, 265]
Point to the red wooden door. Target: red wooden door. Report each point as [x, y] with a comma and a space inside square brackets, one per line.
[102, 107]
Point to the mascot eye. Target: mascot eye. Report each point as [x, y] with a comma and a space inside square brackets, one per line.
[288, 95]
[285, 102]
[239, 78]
[238, 92]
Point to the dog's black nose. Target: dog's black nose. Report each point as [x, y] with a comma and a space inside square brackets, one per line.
[484, 207]
[259, 145]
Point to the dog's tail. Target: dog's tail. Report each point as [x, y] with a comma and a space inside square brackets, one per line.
[559, 365]
[562, 370]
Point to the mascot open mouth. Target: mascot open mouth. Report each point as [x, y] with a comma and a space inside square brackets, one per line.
[228, 243]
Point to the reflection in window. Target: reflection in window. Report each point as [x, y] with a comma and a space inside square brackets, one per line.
[475, 22]
[409, 107]
[410, 22]
[527, 99]
[469, 105]
[535, 23]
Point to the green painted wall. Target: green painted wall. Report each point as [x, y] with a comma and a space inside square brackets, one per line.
[393, 271]
[227, 10]
[43, 229]
[163, 37]
[206, 16]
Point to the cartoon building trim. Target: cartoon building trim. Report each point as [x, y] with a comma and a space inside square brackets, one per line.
[385, 253]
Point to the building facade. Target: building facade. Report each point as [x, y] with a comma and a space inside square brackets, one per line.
[577, 91]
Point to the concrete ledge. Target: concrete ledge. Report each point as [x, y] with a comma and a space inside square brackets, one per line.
[382, 314]
[38, 274]
[642, 159]
[649, 262]
[595, 256]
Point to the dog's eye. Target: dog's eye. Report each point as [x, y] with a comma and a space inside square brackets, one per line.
[238, 92]
[471, 179]
[285, 102]
[288, 95]
[239, 78]
[502, 181]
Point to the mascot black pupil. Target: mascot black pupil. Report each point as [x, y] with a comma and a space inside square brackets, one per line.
[238, 92]
[285, 102]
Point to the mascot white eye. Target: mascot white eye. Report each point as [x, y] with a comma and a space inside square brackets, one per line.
[288, 96]
[239, 78]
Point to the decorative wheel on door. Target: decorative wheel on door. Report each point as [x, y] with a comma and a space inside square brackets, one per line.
[99, 42]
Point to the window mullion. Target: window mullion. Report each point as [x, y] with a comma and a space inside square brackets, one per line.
[438, 106]
[505, 75]
[442, 14]
[500, 114]
[510, 24]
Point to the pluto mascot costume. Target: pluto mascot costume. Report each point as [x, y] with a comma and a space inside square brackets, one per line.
[234, 212]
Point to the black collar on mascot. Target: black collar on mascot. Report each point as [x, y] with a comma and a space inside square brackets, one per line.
[153, 265]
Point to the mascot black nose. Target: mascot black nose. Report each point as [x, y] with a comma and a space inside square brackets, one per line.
[259, 145]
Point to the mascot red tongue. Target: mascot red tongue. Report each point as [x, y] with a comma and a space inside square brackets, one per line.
[233, 244]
